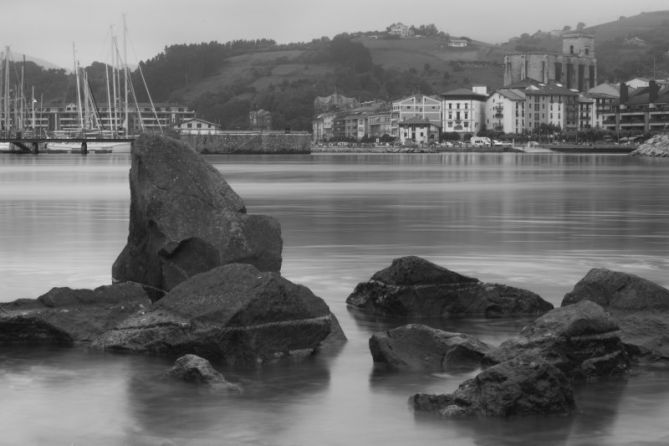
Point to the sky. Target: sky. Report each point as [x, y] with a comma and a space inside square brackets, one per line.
[60, 31]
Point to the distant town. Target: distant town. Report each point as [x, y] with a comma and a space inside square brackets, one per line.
[545, 96]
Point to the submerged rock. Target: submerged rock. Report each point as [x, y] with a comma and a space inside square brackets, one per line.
[234, 313]
[65, 316]
[517, 387]
[419, 347]
[414, 287]
[197, 370]
[582, 340]
[185, 219]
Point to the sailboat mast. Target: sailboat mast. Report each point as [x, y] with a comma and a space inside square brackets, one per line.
[6, 92]
[109, 102]
[32, 104]
[76, 72]
[125, 71]
[22, 100]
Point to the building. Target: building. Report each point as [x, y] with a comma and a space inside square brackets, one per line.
[65, 120]
[380, 125]
[418, 131]
[399, 29]
[458, 43]
[260, 120]
[464, 110]
[586, 117]
[505, 111]
[323, 127]
[605, 97]
[418, 106]
[642, 110]
[334, 102]
[575, 67]
[552, 105]
[197, 126]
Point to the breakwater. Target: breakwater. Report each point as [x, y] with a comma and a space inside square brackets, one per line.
[251, 142]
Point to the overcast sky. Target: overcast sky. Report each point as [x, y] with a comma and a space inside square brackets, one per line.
[47, 29]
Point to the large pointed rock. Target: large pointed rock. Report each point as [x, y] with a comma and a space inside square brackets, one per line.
[234, 314]
[414, 287]
[185, 219]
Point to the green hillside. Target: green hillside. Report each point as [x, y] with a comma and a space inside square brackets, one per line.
[224, 81]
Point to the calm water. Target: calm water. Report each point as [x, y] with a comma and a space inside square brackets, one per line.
[536, 221]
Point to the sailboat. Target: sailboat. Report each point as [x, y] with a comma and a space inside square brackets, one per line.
[115, 123]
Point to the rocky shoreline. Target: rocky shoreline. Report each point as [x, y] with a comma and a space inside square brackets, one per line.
[200, 280]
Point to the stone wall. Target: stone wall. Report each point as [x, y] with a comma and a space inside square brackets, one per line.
[253, 142]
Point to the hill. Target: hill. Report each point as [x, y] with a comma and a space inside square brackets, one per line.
[224, 81]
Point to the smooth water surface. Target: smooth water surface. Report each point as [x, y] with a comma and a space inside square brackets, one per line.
[538, 221]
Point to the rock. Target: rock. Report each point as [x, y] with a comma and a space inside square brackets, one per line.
[234, 313]
[582, 340]
[638, 305]
[414, 287]
[619, 291]
[646, 333]
[185, 219]
[656, 146]
[516, 387]
[65, 316]
[197, 370]
[419, 347]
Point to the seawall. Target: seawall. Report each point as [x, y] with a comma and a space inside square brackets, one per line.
[251, 142]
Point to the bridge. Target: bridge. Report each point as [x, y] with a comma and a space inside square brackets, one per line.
[33, 144]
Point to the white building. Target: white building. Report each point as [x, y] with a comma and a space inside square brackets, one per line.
[463, 110]
[418, 131]
[458, 43]
[505, 111]
[197, 126]
[399, 29]
[418, 106]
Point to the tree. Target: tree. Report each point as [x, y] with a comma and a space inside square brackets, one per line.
[580, 26]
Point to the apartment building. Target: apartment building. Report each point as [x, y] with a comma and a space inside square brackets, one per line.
[505, 111]
[464, 110]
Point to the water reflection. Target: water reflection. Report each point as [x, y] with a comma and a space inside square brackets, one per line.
[538, 222]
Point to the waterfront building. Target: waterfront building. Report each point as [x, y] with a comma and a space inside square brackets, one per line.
[323, 127]
[380, 124]
[505, 111]
[575, 67]
[65, 120]
[586, 118]
[551, 104]
[418, 131]
[418, 106]
[639, 111]
[464, 110]
[605, 97]
[197, 126]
